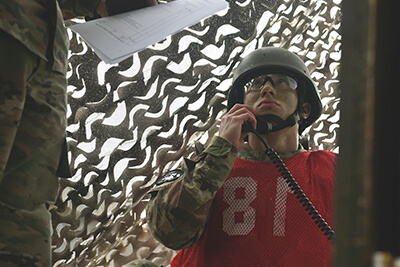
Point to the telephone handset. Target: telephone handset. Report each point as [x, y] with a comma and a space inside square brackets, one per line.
[272, 123]
[264, 124]
[284, 172]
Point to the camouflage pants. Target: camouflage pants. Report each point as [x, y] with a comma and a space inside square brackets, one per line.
[32, 131]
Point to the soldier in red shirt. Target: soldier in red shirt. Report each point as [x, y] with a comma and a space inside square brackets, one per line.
[237, 206]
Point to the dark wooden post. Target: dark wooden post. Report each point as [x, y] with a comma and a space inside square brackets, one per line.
[368, 173]
[353, 226]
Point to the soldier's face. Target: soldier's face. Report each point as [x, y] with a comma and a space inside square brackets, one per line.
[274, 94]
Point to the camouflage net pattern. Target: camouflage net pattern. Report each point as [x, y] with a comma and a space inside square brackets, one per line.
[130, 122]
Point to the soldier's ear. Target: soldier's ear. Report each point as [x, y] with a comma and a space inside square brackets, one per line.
[305, 110]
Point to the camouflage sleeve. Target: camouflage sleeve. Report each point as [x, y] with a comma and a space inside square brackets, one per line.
[75, 8]
[178, 212]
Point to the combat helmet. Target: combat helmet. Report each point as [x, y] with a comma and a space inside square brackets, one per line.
[269, 60]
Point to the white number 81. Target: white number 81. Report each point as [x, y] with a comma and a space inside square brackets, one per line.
[231, 227]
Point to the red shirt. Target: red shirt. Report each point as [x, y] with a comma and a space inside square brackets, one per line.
[257, 220]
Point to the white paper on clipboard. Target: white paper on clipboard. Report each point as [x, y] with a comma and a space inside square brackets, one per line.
[115, 38]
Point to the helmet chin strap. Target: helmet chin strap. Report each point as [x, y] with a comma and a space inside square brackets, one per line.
[271, 123]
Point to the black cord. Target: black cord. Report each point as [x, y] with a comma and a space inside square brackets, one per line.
[294, 186]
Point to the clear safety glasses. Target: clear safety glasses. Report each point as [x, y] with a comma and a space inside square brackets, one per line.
[278, 82]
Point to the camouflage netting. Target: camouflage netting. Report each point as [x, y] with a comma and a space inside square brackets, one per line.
[130, 122]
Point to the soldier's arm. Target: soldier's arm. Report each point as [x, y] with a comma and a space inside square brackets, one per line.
[100, 8]
[178, 210]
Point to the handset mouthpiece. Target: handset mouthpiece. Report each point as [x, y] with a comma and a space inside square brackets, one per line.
[247, 127]
[263, 126]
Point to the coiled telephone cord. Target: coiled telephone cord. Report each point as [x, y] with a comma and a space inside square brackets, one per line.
[294, 186]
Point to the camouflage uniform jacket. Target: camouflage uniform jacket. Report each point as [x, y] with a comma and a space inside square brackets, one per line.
[179, 210]
[39, 25]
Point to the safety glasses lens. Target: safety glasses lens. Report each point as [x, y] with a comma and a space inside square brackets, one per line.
[278, 81]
